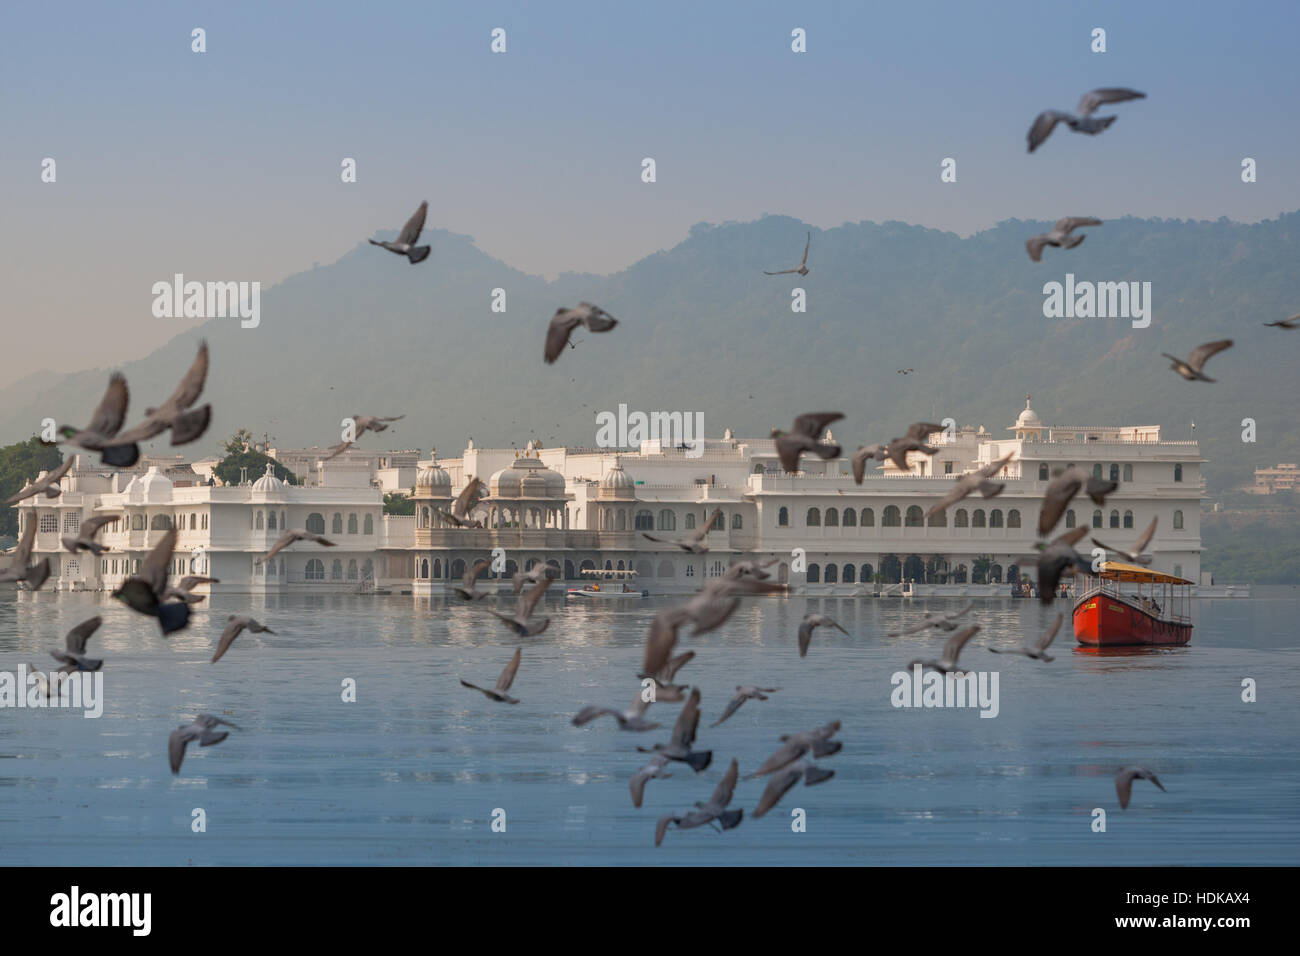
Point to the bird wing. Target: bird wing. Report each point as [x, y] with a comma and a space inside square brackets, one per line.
[1045, 641]
[77, 637]
[662, 827]
[859, 463]
[111, 413]
[921, 431]
[1109, 94]
[90, 527]
[966, 610]
[1074, 222]
[557, 333]
[473, 571]
[804, 261]
[688, 721]
[286, 539]
[781, 273]
[733, 705]
[528, 600]
[411, 231]
[813, 424]
[673, 666]
[788, 450]
[191, 386]
[154, 569]
[465, 500]
[176, 747]
[703, 532]
[234, 626]
[805, 634]
[662, 639]
[1145, 538]
[963, 487]
[727, 786]
[955, 643]
[508, 674]
[1034, 246]
[595, 318]
[992, 468]
[193, 580]
[1201, 354]
[1044, 123]
[776, 788]
[1060, 492]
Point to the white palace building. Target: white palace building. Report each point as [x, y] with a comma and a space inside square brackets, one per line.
[585, 508]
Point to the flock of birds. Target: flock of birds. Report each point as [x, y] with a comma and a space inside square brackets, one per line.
[149, 592]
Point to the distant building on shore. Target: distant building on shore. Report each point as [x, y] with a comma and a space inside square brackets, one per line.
[582, 509]
[1270, 481]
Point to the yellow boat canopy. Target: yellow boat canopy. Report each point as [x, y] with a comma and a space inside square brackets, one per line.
[1119, 571]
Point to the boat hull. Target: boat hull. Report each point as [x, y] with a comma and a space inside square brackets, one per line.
[1103, 620]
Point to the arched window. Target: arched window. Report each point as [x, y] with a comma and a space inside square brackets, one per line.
[316, 523]
[269, 569]
[336, 570]
[1128, 472]
[368, 569]
[1178, 521]
[621, 520]
[666, 570]
[645, 520]
[962, 519]
[437, 568]
[850, 573]
[336, 525]
[1042, 472]
[915, 517]
[667, 520]
[137, 522]
[868, 518]
[1178, 472]
[737, 524]
[1114, 472]
[458, 568]
[690, 521]
[1069, 518]
[832, 574]
[270, 520]
[814, 574]
[1013, 518]
[995, 518]
[352, 569]
[978, 518]
[1096, 518]
[163, 522]
[1178, 570]
[814, 518]
[832, 521]
[352, 523]
[1114, 519]
[995, 574]
[850, 518]
[937, 520]
[1128, 519]
[368, 525]
[315, 570]
[1096, 470]
[512, 568]
[891, 518]
[867, 575]
[719, 523]
[194, 521]
[783, 517]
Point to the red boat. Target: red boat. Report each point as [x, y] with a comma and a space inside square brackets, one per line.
[1155, 611]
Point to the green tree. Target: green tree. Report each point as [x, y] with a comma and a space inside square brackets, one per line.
[19, 464]
[240, 454]
[398, 504]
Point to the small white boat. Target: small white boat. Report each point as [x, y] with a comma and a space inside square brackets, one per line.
[606, 585]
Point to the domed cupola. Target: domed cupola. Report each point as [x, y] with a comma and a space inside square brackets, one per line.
[268, 483]
[617, 483]
[434, 476]
[152, 486]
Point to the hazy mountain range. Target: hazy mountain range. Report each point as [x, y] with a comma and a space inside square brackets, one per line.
[702, 329]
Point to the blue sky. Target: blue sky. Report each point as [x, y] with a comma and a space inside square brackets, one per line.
[226, 164]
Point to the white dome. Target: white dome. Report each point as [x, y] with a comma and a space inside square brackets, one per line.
[616, 479]
[526, 478]
[153, 485]
[435, 476]
[268, 481]
[1028, 418]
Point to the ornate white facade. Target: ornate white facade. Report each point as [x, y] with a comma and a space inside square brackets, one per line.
[579, 508]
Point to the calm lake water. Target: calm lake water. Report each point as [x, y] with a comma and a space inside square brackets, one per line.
[412, 772]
